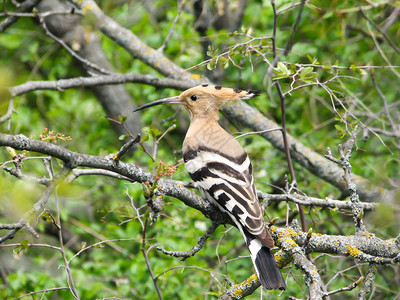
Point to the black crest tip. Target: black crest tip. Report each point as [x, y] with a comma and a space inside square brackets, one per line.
[253, 93]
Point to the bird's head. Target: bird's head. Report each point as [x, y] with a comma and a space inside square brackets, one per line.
[205, 100]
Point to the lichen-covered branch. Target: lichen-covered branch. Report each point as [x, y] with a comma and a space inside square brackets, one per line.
[74, 160]
[337, 244]
[243, 289]
[344, 161]
[368, 280]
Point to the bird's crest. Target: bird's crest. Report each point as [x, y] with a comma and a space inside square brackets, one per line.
[221, 93]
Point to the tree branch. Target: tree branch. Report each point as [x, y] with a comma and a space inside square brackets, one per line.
[63, 84]
[74, 160]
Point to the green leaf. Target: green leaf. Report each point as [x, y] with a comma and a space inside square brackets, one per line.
[211, 65]
[304, 72]
[307, 75]
[226, 64]
[211, 50]
[340, 131]
[154, 131]
[45, 216]
[122, 118]
[145, 137]
[24, 244]
[281, 71]
[123, 137]
[282, 67]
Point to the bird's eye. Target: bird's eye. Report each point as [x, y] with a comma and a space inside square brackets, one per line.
[193, 97]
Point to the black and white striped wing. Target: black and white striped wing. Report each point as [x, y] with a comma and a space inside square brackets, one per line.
[227, 182]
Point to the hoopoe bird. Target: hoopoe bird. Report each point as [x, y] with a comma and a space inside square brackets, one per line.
[221, 168]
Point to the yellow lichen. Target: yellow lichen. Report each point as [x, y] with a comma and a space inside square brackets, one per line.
[251, 279]
[195, 76]
[86, 8]
[353, 251]
[237, 292]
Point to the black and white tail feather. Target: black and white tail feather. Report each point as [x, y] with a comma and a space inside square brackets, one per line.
[264, 262]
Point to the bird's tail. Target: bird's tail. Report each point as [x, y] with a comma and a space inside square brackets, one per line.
[267, 270]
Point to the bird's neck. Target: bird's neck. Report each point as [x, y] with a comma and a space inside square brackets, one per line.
[206, 132]
[200, 127]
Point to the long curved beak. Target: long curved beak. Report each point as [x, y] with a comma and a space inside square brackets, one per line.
[157, 102]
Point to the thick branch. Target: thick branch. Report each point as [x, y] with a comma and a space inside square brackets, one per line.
[338, 244]
[132, 44]
[74, 160]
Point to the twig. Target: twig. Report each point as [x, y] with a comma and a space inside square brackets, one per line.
[385, 36]
[25, 6]
[85, 172]
[367, 7]
[292, 32]
[146, 258]
[18, 174]
[155, 147]
[343, 160]
[199, 245]
[279, 12]
[312, 278]
[360, 255]
[369, 279]
[126, 147]
[189, 267]
[180, 9]
[99, 243]
[67, 269]
[344, 289]
[395, 130]
[377, 45]
[257, 132]
[70, 50]
[9, 112]
[96, 235]
[42, 291]
[11, 226]
[311, 201]
[43, 15]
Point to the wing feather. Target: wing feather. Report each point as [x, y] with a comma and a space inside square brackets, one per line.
[230, 184]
